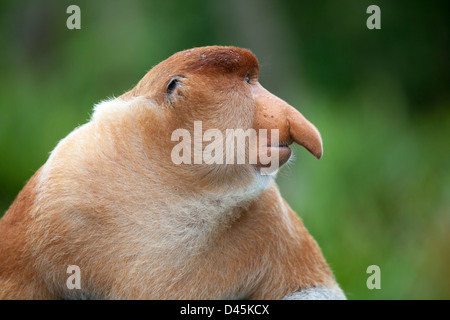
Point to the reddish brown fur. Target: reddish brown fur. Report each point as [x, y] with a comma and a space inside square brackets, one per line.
[211, 61]
[17, 276]
[111, 201]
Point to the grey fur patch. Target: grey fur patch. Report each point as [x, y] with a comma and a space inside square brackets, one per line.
[318, 293]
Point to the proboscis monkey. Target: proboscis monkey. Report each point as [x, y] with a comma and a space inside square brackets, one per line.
[111, 201]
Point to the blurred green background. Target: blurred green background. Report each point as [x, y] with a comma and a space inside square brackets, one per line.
[381, 99]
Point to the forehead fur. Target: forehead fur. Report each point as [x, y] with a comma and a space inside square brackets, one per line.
[215, 59]
[204, 60]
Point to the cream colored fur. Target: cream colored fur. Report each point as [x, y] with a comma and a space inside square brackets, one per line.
[110, 200]
[166, 228]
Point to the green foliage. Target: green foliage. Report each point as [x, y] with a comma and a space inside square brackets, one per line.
[380, 98]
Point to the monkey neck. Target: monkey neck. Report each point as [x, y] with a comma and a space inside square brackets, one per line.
[138, 194]
[193, 221]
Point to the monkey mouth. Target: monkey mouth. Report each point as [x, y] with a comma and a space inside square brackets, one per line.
[282, 152]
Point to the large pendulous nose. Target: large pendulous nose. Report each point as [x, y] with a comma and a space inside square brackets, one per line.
[274, 113]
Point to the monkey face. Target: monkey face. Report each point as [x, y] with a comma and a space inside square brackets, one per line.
[217, 88]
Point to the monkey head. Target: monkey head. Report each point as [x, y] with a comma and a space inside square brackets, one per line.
[217, 88]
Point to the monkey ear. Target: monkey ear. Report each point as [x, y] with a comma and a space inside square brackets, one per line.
[172, 86]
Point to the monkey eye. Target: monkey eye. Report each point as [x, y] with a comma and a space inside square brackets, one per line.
[247, 79]
[172, 85]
